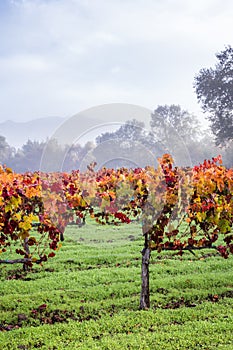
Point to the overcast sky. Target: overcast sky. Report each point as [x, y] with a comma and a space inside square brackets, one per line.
[59, 57]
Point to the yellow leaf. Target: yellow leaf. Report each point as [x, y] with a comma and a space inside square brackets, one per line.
[15, 201]
[25, 225]
[34, 218]
[82, 202]
[8, 208]
[199, 217]
[17, 216]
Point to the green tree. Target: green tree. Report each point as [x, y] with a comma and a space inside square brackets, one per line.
[171, 122]
[227, 154]
[214, 89]
[131, 145]
[78, 156]
[28, 157]
[132, 130]
[6, 151]
[175, 129]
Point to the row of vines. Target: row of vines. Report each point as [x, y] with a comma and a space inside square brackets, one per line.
[179, 208]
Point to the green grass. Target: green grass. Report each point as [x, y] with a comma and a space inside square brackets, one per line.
[91, 293]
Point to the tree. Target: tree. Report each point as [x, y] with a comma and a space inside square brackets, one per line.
[6, 151]
[132, 130]
[129, 146]
[175, 129]
[169, 119]
[227, 155]
[78, 156]
[28, 157]
[204, 148]
[214, 89]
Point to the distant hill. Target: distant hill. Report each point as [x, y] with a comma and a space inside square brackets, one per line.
[65, 130]
[82, 127]
[18, 133]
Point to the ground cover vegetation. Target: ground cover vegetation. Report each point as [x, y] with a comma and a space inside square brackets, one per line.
[87, 297]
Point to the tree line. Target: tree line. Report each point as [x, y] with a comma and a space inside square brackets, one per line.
[172, 130]
[28, 157]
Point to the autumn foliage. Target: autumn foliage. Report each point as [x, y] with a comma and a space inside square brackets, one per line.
[179, 208]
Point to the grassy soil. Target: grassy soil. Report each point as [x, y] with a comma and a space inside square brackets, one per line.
[87, 297]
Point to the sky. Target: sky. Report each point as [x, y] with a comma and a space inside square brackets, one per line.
[60, 57]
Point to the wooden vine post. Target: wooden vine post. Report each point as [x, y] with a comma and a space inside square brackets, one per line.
[145, 285]
[27, 251]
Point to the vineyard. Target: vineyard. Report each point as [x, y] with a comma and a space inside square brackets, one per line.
[87, 230]
[179, 209]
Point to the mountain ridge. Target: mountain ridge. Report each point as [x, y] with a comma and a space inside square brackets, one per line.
[17, 133]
